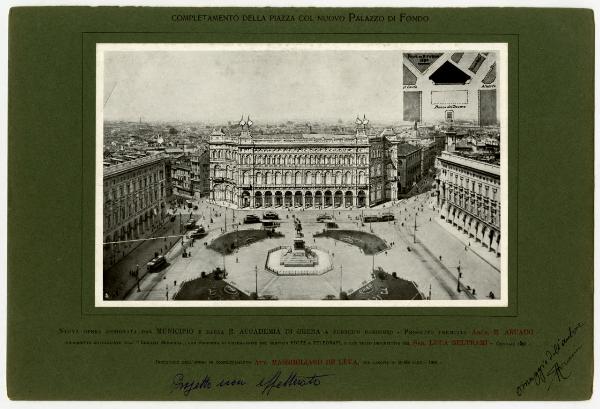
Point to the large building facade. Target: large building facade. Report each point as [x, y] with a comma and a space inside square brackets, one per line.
[135, 197]
[291, 170]
[469, 197]
[312, 170]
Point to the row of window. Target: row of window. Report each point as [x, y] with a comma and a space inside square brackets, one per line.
[459, 172]
[300, 159]
[488, 215]
[129, 185]
[299, 178]
[475, 187]
[125, 212]
[124, 193]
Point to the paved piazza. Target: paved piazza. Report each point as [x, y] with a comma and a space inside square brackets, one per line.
[351, 268]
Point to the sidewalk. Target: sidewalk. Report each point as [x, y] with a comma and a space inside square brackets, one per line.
[489, 257]
[117, 280]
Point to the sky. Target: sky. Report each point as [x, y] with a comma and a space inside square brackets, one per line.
[220, 86]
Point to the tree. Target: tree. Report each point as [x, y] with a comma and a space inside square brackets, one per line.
[173, 131]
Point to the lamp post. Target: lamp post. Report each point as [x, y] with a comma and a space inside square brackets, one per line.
[341, 278]
[459, 277]
[415, 231]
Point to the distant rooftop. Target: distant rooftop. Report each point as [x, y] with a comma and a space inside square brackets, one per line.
[407, 149]
[131, 164]
[471, 162]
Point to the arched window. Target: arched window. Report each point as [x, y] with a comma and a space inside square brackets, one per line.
[338, 178]
[288, 178]
[269, 178]
[298, 178]
[328, 178]
[348, 178]
[361, 178]
[259, 179]
[318, 180]
[308, 178]
[278, 178]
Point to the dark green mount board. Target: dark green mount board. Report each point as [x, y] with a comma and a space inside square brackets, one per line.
[62, 346]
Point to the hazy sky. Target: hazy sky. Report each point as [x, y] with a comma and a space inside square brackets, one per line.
[220, 86]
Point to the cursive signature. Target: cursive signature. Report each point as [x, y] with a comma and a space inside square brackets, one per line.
[276, 380]
[553, 368]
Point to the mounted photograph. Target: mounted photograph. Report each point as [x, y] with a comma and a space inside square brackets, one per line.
[301, 175]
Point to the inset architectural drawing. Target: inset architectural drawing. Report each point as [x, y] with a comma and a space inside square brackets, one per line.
[456, 87]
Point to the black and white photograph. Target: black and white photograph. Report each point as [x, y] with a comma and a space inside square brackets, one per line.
[301, 175]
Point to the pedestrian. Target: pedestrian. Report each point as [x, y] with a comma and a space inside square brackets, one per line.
[440, 258]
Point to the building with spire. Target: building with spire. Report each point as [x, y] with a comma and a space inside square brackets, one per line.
[311, 170]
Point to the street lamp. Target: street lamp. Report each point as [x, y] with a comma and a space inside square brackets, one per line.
[415, 231]
[341, 278]
[459, 277]
[256, 281]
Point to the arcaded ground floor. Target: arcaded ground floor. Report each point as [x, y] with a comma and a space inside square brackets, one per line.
[305, 198]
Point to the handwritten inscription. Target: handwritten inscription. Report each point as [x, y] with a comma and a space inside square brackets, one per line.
[276, 380]
[553, 368]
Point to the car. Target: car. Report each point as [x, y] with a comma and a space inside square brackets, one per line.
[251, 218]
[156, 263]
[270, 225]
[190, 224]
[370, 219]
[387, 217]
[270, 216]
[324, 217]
[198, 233]
[332, 225]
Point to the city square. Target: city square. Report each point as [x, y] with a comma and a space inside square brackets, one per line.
[431, 260]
